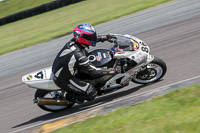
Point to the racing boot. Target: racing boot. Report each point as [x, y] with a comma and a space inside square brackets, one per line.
[91, 93]
[75, 98]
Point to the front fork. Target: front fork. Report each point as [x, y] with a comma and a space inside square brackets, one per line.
[144, 71]
[149, 59]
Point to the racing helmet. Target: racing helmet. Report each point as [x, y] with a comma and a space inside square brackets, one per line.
[85, 34]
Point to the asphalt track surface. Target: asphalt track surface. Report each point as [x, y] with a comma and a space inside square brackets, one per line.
[172, 31]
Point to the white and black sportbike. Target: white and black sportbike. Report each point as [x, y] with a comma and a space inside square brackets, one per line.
[135, 65]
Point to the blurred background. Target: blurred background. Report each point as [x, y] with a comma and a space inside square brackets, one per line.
[35, 21]
[32, 32]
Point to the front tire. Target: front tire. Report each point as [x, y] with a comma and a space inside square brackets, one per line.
[50, 94]
[154, 72]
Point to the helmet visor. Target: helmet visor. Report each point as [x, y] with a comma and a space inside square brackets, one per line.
[92, 37]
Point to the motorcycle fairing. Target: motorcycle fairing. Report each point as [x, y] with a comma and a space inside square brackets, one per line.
[41, 79]
[122, 79]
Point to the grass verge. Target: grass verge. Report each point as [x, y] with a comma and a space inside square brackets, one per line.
[9, 7]
[59, 22]
[176, 112]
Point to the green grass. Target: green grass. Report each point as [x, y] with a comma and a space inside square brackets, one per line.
[176, 112]
[60, 22]
[9, 7]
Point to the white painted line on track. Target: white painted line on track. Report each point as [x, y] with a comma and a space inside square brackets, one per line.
[131, 96]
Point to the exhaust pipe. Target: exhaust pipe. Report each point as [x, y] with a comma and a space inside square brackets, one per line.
[50, 101]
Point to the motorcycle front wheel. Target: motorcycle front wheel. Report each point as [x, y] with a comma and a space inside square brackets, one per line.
[154, 71]
[51, 95]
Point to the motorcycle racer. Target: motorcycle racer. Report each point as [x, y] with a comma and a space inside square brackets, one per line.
[73, 56]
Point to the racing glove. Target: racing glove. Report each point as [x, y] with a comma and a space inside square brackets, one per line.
[102, 38]
[108, 37]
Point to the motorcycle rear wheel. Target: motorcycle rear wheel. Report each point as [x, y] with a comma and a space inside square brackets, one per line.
[50, 94]
[154, 72]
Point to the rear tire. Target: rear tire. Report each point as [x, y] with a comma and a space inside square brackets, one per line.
[154, 72]
[50, 108]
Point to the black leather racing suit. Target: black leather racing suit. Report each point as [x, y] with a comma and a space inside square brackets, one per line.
[71, 57]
